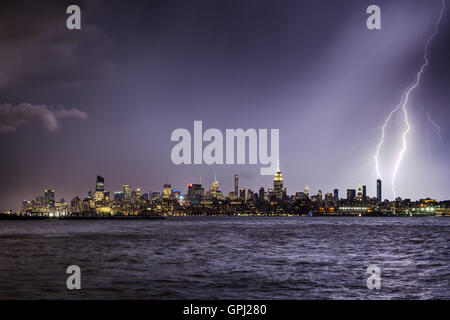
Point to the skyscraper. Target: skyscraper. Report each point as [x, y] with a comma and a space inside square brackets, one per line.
[379, 194]
[236, 185]
[364, 193]
[278, 184]
[351, 194]
[242, 194]
[100, 185]
[167, 191]
[126, 192]
[336, 194]
[359, 195]
[99, 194]
[319, 195]
[195, 194]
[214, 188]
[49, 198]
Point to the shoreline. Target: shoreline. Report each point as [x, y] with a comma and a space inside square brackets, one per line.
[137, 217]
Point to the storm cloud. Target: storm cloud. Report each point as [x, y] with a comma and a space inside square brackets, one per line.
[38, 50]
[48, 117]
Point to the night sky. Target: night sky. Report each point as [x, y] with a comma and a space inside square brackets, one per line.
[105, 99]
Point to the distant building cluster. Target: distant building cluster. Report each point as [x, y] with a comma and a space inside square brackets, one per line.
[240, 201]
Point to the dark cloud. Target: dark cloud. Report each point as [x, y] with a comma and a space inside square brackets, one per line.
[309, 68]
[48, 117]
[38, 50]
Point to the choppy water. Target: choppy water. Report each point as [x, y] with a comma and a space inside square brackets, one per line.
[227, 258]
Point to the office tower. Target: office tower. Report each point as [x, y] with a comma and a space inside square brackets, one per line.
[49, 198]
[261, 194]
[379, 190]
[118, 196]
[155, 196]
[138, 193]
[306, 190]
[319, 195]
[250, 194]
[99, 194]
[242, 194]
[75, 205]
[176, 194]
[278, 184]
[167, 191]
[336, 194]
[359, 194]
[364, 193]
[351, 194]
[213, 189]
[126, 192]
[195, 194]
[236, 185]
[100, 185]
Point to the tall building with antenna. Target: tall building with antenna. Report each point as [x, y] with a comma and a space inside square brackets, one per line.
[379, 194]
[278, 183]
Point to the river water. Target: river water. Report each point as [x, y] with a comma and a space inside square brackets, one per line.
[227, 258]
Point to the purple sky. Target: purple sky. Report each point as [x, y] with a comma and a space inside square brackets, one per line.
[105, 99]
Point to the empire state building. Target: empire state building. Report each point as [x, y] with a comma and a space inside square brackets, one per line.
[278, 183]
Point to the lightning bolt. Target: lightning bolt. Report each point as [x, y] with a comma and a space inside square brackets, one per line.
[402, 105]
[436, 127]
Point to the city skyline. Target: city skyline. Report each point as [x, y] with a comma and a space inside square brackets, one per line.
[99, 187]
[277, 190]
[201, 200]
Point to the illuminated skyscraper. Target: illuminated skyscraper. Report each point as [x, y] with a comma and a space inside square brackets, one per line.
[167, 191]
[236, 185]
[49, 198]
[328, 197]
[351, 194]
[213, 189]
[379, 194]
[176, 193]
[118, 196]
[99, 194]
[364, 193]
[195, 194]
[359, 195]
[242, 194]
[336, 194]
[138, 194]
[126, 192]
[278, 184]
[306, 190]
